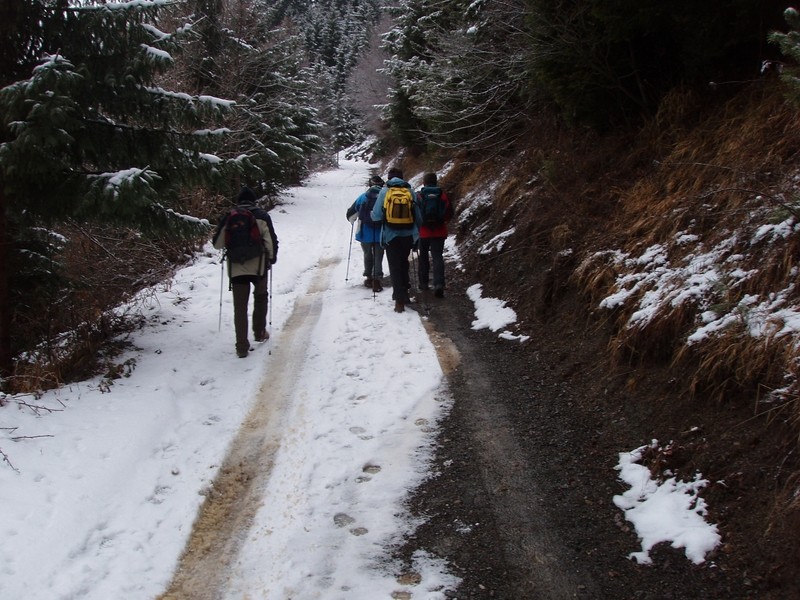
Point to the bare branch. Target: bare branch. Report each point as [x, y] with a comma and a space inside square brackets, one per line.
[6, 460]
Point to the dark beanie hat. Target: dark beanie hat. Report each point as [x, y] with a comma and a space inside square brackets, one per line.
[246, 196]
[376, 180]
[429, 179]
[395, 172]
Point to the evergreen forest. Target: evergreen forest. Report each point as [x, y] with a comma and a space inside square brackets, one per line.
[596, 131]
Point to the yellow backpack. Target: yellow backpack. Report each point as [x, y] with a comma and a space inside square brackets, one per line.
[398, 207]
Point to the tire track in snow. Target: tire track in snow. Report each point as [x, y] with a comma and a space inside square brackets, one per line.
[236, 494]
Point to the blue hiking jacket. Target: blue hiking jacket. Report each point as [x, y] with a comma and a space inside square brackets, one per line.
[367, 233]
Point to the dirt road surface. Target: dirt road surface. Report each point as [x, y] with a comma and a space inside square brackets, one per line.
[522, 501]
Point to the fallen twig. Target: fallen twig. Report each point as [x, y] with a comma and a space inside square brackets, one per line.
[6, 460]
[36, 408]
[30, 437]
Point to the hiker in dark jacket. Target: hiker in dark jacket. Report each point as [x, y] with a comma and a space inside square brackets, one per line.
[431, 241]
[369, 234]
[252, 272]
[397, 242]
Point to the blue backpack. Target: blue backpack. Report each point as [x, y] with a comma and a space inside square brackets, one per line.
[365, 211]
[432, 206]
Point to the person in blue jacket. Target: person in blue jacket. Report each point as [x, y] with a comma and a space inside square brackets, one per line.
[397, 242]
[369, 234]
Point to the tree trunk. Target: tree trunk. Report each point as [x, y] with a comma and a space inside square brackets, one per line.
[6, 364]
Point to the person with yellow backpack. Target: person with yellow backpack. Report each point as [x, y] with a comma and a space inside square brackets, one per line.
[397, 210]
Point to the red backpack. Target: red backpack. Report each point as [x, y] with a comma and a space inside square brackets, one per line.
[243, 240]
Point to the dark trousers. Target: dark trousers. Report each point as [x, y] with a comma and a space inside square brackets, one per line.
[373, 260]
[240, 286]
[435, 248]
[397, 252]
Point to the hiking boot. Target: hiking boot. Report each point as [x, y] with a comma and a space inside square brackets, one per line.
[241, 353]
[399, 307]
[368, 282]
[439, 292]
[262, 336]
[376, 285]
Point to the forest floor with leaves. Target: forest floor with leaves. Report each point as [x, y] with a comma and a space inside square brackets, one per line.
[521, 500]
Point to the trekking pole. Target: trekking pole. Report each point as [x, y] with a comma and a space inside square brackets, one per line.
[221, 280]
[414, 263]
[420, 296]
[269, 299]
[374, 271]
[347, 272]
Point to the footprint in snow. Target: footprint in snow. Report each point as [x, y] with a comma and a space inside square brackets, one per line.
[368, 470]
[360, 432]
[211, 420]
[424, 425]
[157, 497]
[343, 520]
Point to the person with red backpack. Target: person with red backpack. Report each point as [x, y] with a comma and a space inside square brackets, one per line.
[436, 212]
[369, 234]
[248, 238]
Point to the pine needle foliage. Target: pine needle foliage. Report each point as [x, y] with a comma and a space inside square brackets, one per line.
[789, 44]
[90, 134]
[258, 62]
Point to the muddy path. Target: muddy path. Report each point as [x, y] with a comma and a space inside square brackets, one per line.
[521, 501]
[236, 493]
[487, 508]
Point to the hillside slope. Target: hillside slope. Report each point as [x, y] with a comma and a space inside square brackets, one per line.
[676, 250]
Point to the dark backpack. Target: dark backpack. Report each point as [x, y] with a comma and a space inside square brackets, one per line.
[432, 206]
[243, 240]
[365, 211]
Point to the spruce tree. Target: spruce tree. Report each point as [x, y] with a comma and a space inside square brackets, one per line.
[258, 62]
[88, 130]
[407, 49]
[336, 36]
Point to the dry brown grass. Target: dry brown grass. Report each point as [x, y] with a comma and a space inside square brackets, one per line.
[735, 366]
[720, 164]
[70, 332]
[657, 340]
[595, 277]
[708, 180]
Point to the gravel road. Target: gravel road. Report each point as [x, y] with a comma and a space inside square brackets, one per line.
[522, 501]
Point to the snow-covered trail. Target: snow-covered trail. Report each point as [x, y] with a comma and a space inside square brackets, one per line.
[236, 494]
[316, 437]
[350, 397]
